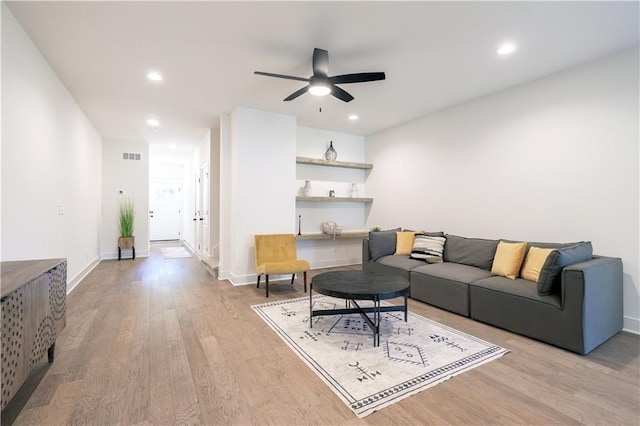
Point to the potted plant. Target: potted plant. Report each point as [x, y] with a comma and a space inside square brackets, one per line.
[126, 216]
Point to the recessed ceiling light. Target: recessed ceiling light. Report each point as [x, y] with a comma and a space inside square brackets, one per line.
[353, 117]
[506, 49]
[153, 122]
[154, 76]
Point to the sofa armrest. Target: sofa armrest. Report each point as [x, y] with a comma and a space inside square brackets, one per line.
[591, 294]
[366, 252]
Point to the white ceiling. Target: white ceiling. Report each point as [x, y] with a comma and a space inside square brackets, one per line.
[435, 55]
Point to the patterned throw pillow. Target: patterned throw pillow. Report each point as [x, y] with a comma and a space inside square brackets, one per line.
[428, 248]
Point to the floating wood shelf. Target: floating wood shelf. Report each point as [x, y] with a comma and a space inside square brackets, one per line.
[335, 199]
[343, 164]
[342, 236]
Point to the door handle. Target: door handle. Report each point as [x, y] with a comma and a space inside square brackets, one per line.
[201, 218]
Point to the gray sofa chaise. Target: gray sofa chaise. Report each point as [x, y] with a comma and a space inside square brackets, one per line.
[580, 308]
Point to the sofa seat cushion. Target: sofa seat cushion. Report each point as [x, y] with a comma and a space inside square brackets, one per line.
[518, 288]
[454, 272]
[445, 285]
[400, 262]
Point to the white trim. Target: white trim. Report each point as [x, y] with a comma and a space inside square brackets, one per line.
[632, 325]
[73, 282]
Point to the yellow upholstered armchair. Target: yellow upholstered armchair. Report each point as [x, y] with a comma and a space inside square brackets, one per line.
[276, 254]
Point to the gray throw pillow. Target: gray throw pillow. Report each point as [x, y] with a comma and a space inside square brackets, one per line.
[558, 259]
[382, 243]
[476, 252]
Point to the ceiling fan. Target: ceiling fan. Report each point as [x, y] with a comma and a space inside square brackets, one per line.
[321, 84]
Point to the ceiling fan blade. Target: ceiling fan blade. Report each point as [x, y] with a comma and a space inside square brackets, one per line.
[341, 94]
[320, 62]
[297, 93]
[288, 77]
[357, 78]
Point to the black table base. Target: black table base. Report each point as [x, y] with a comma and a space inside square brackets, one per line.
[353, 288]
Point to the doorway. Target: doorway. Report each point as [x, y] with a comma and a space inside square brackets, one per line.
[201, 217]
[165, 211]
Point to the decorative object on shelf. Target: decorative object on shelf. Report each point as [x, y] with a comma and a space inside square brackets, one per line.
[306, 189]
[353, 191]
[330, 154]
[375, 229]
[332, 193]
[299, 224]
[332, 228]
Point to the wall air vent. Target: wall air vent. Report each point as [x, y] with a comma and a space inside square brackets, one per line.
[130, 156]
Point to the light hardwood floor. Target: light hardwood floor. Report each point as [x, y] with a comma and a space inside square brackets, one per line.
[159, 341]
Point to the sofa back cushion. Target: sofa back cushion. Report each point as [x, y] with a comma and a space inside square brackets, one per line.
[382, 243]
[558, 259]
[476, 252]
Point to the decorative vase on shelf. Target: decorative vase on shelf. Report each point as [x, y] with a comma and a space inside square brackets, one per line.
[330, 154]
[353, 191]
[306, 189]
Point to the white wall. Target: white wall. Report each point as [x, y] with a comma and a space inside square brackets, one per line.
[214, 195]
[552, 160]
[131, 176]
[51, 162]
[262, 189]
[313, 143]
[225, 212]
[201, 156]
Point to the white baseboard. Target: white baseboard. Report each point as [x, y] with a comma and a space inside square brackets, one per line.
[238, 280]
[632, 325]
[73, 282]
[189, 247]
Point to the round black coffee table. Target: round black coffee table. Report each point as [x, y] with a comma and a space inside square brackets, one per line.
[360, 285]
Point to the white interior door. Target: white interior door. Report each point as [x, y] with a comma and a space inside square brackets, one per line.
[165, 215]
[197, 216]
[204, 231]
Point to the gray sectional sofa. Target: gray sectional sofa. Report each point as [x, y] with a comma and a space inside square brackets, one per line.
[579, 310]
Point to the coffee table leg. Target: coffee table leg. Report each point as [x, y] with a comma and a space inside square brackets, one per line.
[376, 316]
[310, 305]
[405, 307]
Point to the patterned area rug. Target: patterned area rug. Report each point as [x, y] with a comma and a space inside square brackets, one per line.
[174, 252]
[412, 356]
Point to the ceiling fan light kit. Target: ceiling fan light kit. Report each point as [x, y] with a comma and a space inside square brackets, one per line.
[320, 84]
[319, 89]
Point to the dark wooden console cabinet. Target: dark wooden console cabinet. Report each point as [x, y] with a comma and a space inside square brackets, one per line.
[34, 294]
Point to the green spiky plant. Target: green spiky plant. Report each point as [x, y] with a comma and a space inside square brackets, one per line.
[126, 216]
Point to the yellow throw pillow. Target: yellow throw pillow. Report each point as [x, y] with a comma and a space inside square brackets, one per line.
[404, 242]
[508, 259]
[534, 262]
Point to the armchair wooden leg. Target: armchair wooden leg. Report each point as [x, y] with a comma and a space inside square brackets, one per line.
[293, 277]
[305, 281]
[267, 282]
[258, 286]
